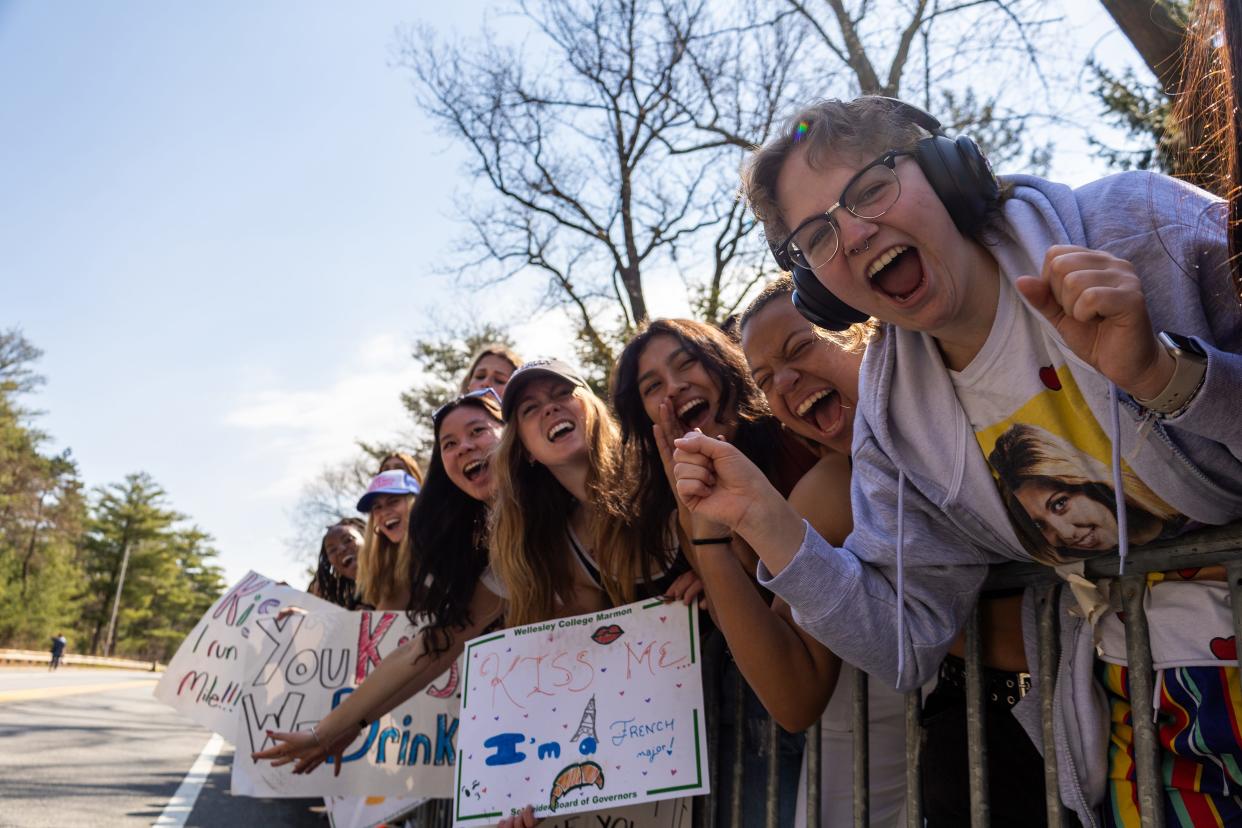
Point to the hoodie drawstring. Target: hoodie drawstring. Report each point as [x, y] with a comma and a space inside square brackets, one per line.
[1119, 493]
[901, 576]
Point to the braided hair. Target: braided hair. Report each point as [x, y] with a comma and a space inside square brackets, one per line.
[329, 585]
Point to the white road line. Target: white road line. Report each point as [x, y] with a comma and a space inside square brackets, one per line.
[177, 811]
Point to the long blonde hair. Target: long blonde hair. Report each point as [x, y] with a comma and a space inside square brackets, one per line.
[383, 566]
[529, 521]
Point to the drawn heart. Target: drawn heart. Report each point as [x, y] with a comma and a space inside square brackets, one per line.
[1048, 376]
[647, 700]
[623, 692]
[679, 685]
[525, 715]
[528, 779]
[565, 727]
[497, 718]
[674, 772]
[554, 710]
[1226, 649]
[1189, 574]
[644, 773]
[473, 717]
[663, 618]
[485, 789]
[603, 669]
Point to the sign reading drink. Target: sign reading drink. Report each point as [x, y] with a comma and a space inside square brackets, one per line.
[301, 667]
[582, 714]
[204, 678]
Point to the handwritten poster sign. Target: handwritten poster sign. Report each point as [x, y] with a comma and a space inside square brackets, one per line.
[299, 668]
[667, 813]
[204, 678]
[582, 714]
[368, 811]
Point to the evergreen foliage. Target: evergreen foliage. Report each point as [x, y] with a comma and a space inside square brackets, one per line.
[60, 549]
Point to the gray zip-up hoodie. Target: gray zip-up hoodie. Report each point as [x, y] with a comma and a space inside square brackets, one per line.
[893, 609]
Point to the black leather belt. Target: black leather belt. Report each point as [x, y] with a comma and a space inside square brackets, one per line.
[999, 687]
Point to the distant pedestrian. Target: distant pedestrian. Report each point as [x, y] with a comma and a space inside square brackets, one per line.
[58, 650]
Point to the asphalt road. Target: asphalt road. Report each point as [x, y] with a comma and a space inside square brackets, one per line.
[93, 748]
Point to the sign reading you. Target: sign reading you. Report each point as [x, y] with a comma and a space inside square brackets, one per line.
[582, 714]
[204, 678]
[301, 667]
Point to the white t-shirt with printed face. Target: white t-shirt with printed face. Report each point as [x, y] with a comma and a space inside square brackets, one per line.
[1051, 461]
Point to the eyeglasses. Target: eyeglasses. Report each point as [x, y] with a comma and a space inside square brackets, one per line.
[439, 413]
[869, 194]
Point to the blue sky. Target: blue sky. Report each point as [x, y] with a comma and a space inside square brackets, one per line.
[220, 223]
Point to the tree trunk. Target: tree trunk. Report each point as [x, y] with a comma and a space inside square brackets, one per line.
[1156, 32]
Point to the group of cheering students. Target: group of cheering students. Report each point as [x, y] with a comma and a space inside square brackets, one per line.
[959, 371]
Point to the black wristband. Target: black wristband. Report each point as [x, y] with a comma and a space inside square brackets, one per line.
[711, 541]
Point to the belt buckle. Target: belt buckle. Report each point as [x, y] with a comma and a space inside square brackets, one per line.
[1024, 684]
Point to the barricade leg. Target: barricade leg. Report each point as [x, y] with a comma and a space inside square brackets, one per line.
[976, 727]
[773, 803]
[914, 759]
[862, 760]
[1047, 609]
[814, 769]
[1138, 667]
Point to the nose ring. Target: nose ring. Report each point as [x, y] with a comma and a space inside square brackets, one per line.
[866, 246]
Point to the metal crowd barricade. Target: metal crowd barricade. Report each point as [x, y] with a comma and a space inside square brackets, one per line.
[1207, 547]
[1214, 546]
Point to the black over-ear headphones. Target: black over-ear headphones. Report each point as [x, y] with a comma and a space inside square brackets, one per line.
[959, 175]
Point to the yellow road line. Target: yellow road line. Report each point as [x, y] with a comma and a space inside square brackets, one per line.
[73, 690]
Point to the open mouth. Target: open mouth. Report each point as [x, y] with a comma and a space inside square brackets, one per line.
[559, 430]
[474, 469]
[349, 560]
[392, 523]
[823, 410]
[897, 273]
[691, 412]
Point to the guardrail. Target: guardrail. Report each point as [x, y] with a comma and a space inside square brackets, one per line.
[1215, 546]
[75, 660]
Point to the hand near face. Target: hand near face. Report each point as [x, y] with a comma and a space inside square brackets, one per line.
[665, 431]
[1096, 303]
[716, 481]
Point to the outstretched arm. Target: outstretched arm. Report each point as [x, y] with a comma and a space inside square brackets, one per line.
[406, 671]
[846, 596]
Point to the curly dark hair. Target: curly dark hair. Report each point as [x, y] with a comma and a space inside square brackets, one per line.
[327, 584]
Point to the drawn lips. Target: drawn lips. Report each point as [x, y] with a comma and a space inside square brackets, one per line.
[607, 635]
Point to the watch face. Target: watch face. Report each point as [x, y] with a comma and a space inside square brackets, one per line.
[1182, 343]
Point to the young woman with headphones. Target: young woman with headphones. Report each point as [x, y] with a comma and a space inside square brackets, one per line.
[1102, 315]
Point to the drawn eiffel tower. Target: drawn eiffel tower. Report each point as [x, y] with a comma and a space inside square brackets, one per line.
[586, 727]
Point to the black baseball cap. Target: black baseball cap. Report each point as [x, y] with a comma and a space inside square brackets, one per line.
[535, 369]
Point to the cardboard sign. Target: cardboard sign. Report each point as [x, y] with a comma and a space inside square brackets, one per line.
[582, 714]
[299, 668]
[204, 678]
[668, 813]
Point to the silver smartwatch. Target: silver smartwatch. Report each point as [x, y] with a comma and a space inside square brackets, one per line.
[1190, 369]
